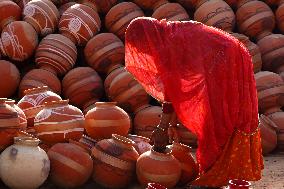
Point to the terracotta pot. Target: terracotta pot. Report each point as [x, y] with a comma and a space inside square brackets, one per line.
[39, 78]
[171, 12]
[270, 88]
[146, 120]
[104, 51]
[33, 102]
[111, 75]
[238, 184]
[64, 7]
[155, 186]
[99, 5]
[56, 53]
[216, 13]
[188, 4]
[278, 119]
[8, 72]
[232, 3]
[21, 3]
[24, 165]
[21, 114]
[253, 50]
[186, 136]
[188, 165]
[59, 122]
[79, 23]
[279, 16]
[87, 142]
[9, 12]
[127, 92]
[161, 168]
[119, 16]
[71, 165]
[254, 17]
[142, 144]
[106, 119]
[268, 134]
[18, 41]
[272, 50]
[150, 4]
[42, 15]
[82, 85]
[114, 162]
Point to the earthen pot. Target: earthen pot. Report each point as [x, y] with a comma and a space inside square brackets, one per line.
[188, 165]
[33, 102]
[87, 143]
[254, 17]
[171, 12]
[270, 88]
[150, 4]
[71, 165]
[56, 53]
[9, 73]
[232, 3]
[186, 136]
[146, 120]
[59, 122]
[188, 4]
[81, 85]
[9, 124]
[21, 114]
[79, 23]
[24, 165]
[278, 119]
[104, 51]
[280, 16]
[216, 13]
[114, 162]
[9, 12]
[253, 50]
[43, 15]
[161, 168]
[39, 78]
[127, 92]
[119, 16]
[111, 75]
[22, 3]
[142, 144]
[99, 5]
[18, 41]
[64, 7]
[268, 131]
[106, 119]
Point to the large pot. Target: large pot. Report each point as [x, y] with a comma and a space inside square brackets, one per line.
[9, 12]
[171, 12]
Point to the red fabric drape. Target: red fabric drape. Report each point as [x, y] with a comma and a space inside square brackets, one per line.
[203, 71]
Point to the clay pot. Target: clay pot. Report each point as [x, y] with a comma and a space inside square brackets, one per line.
[56, 53]
[188, 4]
[24, 165]
[142, 144]
[18, 41]
[42, 15]
[270, 88]
[79, 23]
[161, 168]
[279, 16]
[171, 12]
[104, 51]
[186, 136]
[127, 92]
[59, 122]
[216, 13]
[238, 184]
[8, 72]
[188, 165]
[87, 142]
[254, 17]
[114, 162]
[150, 4]
[232, 3]
[155, 186]
[81, 85]
[118, 69]
[119, 16]
[146, 120]
[21, 3]
[9, 12]
[33, 102]
[99, 5]
[268, 134]
[106, 119]
[39, 78]
[253, 50]
[9, 124]
[278, 119]
[71, 165]
[21, 114]
[64, 7]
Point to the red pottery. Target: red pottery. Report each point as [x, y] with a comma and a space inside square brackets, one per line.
[59, 122]
[56, 53]
[79, 23]
[232, 3]
[142, 144]
[104, 51]
[171, 12]
[22, 3]
[71, 165]
[119, 16]
[18, 41]
[42, 15]
[9, 12]
[111, 75]
[81, 85]
[39, 78]
[279, 16]
[188, 4]
[114, 162]
[238, 184]
[150, 4]
[99, 5]
[106, 119]
[64, 7]
[21, 114]
[8, 72]
[186, 136]
[87, 143]
[155, 186]
[278, 119]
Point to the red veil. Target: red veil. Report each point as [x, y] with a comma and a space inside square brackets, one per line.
[206, 74]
